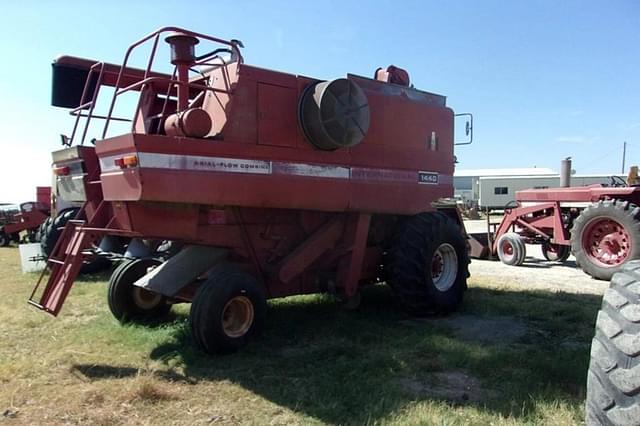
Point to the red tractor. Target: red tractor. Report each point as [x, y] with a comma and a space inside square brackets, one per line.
[276, 184]
[599, 224]
[29, 218]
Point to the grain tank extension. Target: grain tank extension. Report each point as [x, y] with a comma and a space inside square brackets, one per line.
[276, 184]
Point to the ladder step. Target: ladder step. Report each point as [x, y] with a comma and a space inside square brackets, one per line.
[59, 262]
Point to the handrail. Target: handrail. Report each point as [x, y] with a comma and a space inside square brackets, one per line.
[171, 83]
[90, 104]
[108, 71]
[156, 36]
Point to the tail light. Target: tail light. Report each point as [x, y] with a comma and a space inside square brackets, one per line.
[126, 161]
[61, 171]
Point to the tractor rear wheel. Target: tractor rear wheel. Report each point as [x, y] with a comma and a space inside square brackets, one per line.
[511, 249]
[555, 252]
[129, 303]
[428, 265]
[52, 232]
[227, 310]
[613, 381]
[605, 236]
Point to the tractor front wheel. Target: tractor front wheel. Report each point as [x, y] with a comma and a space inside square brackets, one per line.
[428, 265]
[605, 236]
[511, 249]
[129, 303]
[227, 310]
[555, 252]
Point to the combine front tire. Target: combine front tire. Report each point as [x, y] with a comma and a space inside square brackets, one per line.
[555, 252]
[605, 236]
[228, 309]
[613, 381]
[429, 265]
[511, 249]
[129, 303]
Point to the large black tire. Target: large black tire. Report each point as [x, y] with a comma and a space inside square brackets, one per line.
[555, 252]
[4, 239]
[129, 303]
[51, 232]
[605, 237]
[511, 249]
[613, 382]
[53, 229]
[428, 265]
[227, 310]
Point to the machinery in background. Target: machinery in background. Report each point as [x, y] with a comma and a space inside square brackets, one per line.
[27, 219]
[599, 225]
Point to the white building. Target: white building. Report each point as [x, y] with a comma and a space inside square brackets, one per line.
[495, 188]
[467, 182]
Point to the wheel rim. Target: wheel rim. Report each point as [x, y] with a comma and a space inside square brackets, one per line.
[145, 299]
[444, 267]
[552, 250]
[507, 249]
[606, 242]
[237, 316]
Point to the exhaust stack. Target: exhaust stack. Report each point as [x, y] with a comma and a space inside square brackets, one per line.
[565, 173]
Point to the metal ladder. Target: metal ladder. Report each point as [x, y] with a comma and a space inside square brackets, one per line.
[65, 262]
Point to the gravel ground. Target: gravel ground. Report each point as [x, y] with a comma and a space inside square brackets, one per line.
[536, 273]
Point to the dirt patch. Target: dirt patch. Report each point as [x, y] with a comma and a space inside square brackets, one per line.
[486, 329]
[452, 386]
[496, 329]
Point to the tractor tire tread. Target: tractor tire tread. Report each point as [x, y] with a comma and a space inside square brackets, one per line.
[613, 381]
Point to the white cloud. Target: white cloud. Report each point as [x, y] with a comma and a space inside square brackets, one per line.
[571, 139]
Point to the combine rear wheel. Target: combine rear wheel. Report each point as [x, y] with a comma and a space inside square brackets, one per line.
[555, 252]
[428, 265]
[613, 382]
[605, 236]
[131, 303]
[227, 310]
[511, 249]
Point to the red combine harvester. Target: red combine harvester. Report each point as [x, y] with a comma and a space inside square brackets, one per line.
[599, 224]
[276, 184]
[31, 215]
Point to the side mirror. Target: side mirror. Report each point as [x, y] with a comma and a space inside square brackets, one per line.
[467, 119]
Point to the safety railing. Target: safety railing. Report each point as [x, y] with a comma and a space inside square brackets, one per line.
[149, 77]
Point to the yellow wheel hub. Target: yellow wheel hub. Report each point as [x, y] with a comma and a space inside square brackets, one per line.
[237, 316]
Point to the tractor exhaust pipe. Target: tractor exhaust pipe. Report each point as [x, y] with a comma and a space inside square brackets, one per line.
[565, 173]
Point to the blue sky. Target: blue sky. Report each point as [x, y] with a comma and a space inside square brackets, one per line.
[544, 79]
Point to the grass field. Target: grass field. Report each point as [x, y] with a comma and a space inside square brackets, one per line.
[509, 357]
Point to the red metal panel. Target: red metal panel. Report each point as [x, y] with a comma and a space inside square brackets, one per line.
[242, 114]
[277, 115]
[43, 195]
[164, 220]
[577, 194]
[126, 185]
[339, 189]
